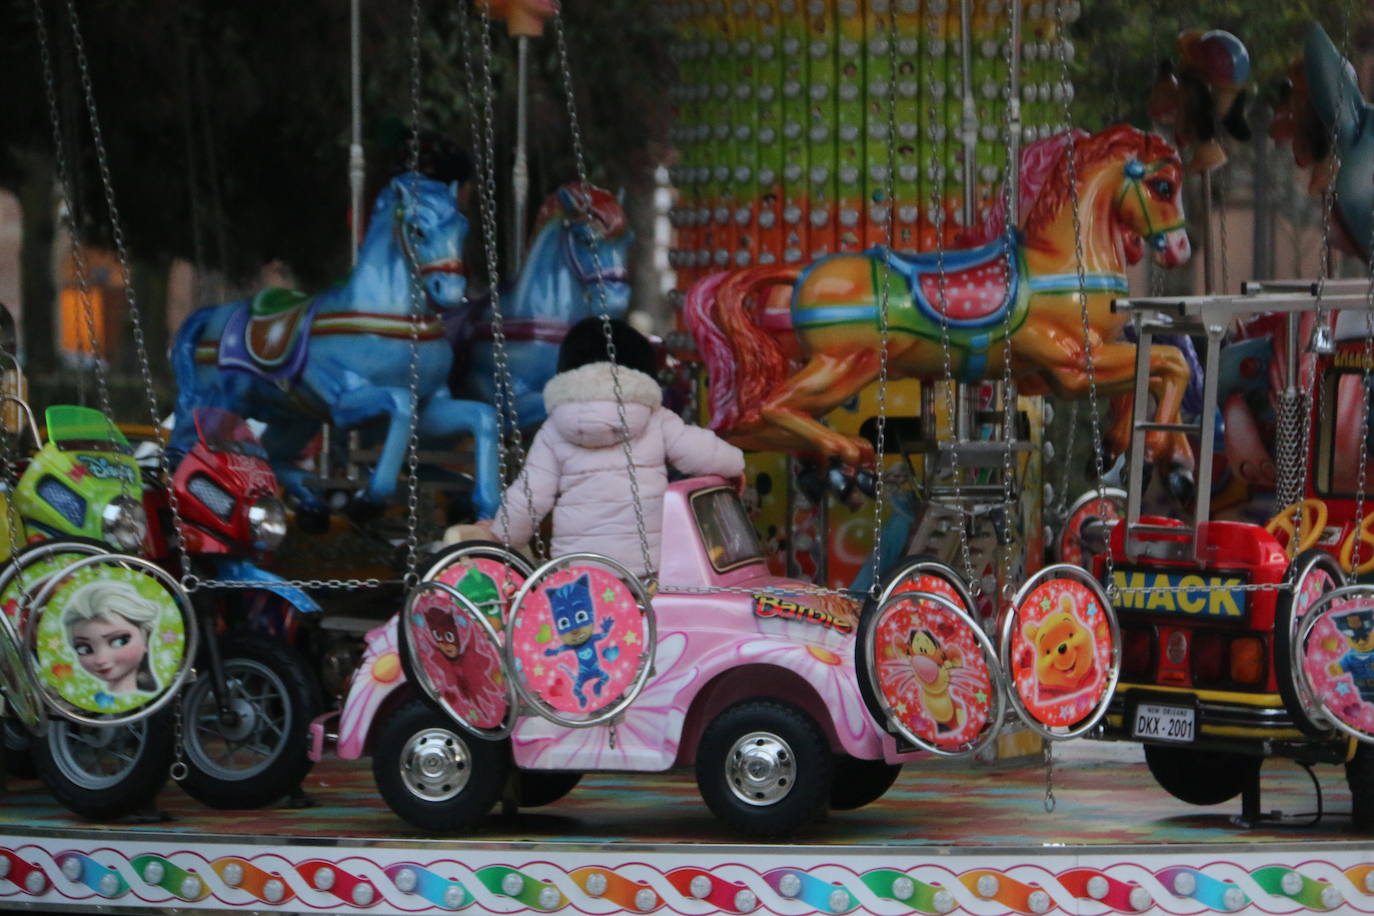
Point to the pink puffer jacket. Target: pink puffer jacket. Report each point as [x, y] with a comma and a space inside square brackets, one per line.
[577, 467]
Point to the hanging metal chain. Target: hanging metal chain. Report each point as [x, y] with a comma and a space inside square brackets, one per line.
[176, 544]
[1367, 362]
[1070, 443]
[975, 583]
[99, 367]
[1010, 490]
[178, 771]
[1089, 362]
[1300, 447]
[1223, 186]
[1047, 750]
[417, 294]
[880, 443]
[650, 566]
[507, 413]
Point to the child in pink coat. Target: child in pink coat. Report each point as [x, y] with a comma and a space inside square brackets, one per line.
[577, 465]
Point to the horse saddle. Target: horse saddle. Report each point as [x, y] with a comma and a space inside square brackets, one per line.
[980, 284]
[977, 294]
[268, 335]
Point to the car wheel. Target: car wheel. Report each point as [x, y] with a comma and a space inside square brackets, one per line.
[1201, 777]
[434, 774]
[1359, 775]
[860, 782]
[264, 754]
[764, 767]
[105, 773]
[534, 789]
[18, 760]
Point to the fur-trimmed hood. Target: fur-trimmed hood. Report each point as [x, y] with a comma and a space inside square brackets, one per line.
[581, 403]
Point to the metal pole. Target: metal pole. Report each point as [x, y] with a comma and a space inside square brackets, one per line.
[355, 148]
[520, 173]
[1208, 256]
[969, 125]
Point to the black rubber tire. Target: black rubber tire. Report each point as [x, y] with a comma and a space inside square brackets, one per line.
[484, 763]
[807, 790]
[534, 789]
[295, 704]
[1200, 777]
[99, 797]
[18, 750]
[860, 782]
[1359, 775]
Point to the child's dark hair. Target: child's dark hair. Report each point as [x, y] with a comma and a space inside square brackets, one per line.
[586, 343]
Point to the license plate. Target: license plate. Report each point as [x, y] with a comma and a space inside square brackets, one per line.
[1164, 723]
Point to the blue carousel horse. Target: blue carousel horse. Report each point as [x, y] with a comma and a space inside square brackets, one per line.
[1334, 94]
[561, 283]
[343, 355]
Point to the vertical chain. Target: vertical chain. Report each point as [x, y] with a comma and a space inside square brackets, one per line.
[1010, 502]
[140, 343]
[1223, 186]
[1367, 362]
[1071, 437]
[1089, 362]
[69, 217]
[1047, 751]
[880, 444]
[576, 130]
[416, 304]
[484, 136]
[1318, 320]
[975, 583]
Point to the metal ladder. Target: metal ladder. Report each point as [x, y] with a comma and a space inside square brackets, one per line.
[1207, 317]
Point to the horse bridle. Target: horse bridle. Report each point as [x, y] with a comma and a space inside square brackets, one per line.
[589, 277]
[443, 266]
[1135, 173]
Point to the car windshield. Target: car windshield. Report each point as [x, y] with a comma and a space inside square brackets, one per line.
[1344, 424]
[725, 530]
[81, 429]
[227, 433]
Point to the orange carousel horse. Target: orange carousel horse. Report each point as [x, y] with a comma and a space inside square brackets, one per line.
[1025, 282]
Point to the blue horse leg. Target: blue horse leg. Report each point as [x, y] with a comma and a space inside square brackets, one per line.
[442, 416]
[284, 443]
[357, 405]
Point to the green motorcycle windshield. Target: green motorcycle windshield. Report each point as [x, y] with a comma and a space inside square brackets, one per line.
[73, 428]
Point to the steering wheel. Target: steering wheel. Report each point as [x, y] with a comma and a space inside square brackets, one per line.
[1312, 526]
[1365, 534]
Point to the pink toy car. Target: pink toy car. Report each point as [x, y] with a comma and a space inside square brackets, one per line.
[755, 686]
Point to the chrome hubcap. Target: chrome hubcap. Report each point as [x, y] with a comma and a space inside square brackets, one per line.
[760, 769]
[435, 764]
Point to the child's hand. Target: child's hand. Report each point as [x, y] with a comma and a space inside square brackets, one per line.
[456, 534]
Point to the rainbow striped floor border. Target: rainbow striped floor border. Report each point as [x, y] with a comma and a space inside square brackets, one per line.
[947, 839]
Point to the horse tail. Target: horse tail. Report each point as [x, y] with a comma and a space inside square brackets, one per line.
[759, 361]
[712, 344]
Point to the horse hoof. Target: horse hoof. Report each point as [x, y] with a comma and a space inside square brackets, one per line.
[361, 510]
[866, 481]
[312, 519]
[1181, 485]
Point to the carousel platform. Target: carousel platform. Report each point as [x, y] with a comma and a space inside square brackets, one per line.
[946, 838]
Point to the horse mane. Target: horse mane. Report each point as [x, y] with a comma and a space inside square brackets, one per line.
[603, 208]
[1115, 141]
[1037, 160]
